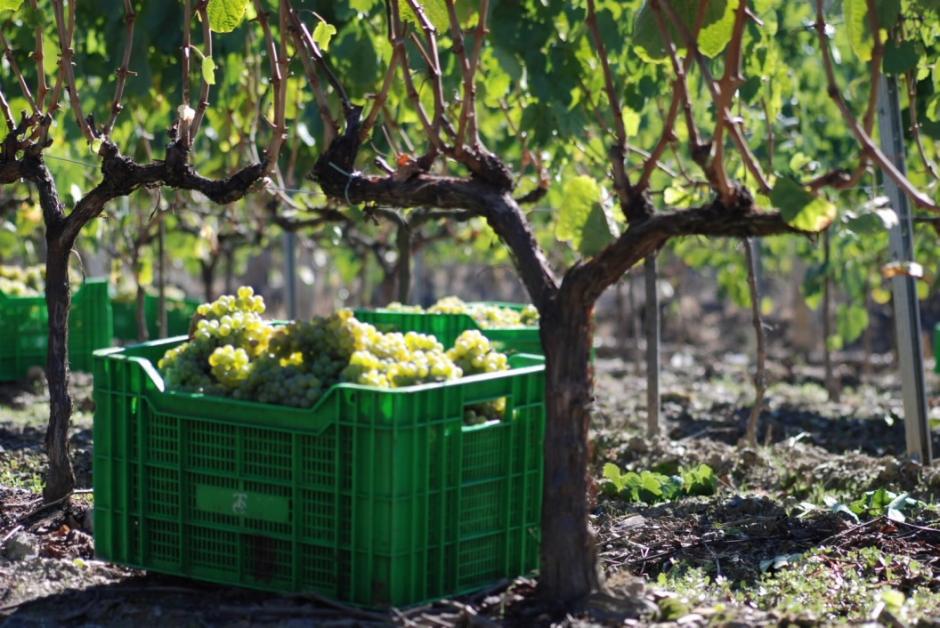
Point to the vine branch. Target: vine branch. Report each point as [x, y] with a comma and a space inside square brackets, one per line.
[863, 137]
[203, 104]
[618, 152]
[15, 67]
[124, 70]
[747, 156]
[38, 57]
[7, 113]
[66, 71]
[432, 58]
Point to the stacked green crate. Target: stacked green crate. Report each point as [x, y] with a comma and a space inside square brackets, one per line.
[24, 329]
[179, 313]
[374, 496]
[447, 327]
[936, 348]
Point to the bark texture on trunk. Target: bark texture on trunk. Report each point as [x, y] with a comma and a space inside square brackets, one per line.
[229, 271]
[140, 314]
[140, 308]
[568, 570]
[161, 270]
[60, 479]
[207, 270]
[403, 266]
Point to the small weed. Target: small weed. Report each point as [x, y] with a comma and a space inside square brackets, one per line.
[822, 585]
[651, 487]
[14, 474]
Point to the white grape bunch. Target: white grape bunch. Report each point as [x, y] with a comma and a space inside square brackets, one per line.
[25, 281]
[473, 354]
[29, 281]
[486, 316]
[233, 352]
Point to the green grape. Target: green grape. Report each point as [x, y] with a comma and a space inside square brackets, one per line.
[28, 281]
[395, 306]
[529, 316]
[127, 293]
[473, 353]
[233, 352]
[486, 316]
[227, 335]
[449, 305]
[229, 366]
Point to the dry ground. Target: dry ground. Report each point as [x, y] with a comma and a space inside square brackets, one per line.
[771, 546]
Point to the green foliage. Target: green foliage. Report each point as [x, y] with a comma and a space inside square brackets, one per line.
[322, 34]
[226, 15]
[435, 10]
[715, 34]
[699, 480]
[900, 57]
[821, 586]
[540, 93]
[882, 502]
[363, 6]
[800, 208]
[582, 220]
[208, 70]
[859, 31]
[651, 487]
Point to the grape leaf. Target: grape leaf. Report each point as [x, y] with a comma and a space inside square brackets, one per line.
[631, 121]
[888, 12]
[873, 221]
[856, 21]
[900, 58]
[851, 321]
[579, 196]
[208, 70]
[799, 208]
[598, 231]
[435, 10]
[362, 6]
[716, 32]
[226, 15]
[322, 35]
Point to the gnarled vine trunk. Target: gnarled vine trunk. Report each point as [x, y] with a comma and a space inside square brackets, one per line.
[60, 479]
[568, 571]
[403, 266]
[229, 255]
[207, 270]
[140, 299]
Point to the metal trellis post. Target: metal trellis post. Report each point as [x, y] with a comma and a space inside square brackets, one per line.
[906, 307]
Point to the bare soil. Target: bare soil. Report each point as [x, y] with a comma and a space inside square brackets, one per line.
[768, 547]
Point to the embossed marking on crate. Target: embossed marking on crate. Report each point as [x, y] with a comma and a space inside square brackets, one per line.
[242, 503]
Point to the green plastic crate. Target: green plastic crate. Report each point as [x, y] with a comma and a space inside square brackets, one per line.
[374, 496]
[936, 348]
[447, 327]
[179, 313]
[24, 330]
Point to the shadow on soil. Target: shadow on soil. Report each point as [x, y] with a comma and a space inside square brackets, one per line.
[837, 435]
